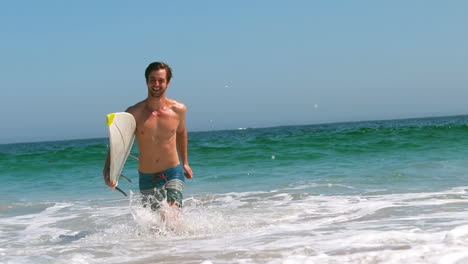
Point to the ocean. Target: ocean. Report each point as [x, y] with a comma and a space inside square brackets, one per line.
[362, 192]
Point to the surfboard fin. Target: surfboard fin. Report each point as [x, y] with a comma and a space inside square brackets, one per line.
[120, 190]
[125, 178]
[133, 156]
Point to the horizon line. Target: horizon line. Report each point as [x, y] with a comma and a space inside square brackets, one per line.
[247, 128]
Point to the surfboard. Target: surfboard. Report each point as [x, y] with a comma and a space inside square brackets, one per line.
[122, 127]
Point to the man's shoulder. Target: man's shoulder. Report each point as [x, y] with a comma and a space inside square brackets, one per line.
[135, 108]
[177, 106]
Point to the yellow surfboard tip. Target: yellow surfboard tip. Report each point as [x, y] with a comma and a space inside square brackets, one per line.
[110, 119]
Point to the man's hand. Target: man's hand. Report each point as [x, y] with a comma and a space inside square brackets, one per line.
[106, 175]
[188, 171]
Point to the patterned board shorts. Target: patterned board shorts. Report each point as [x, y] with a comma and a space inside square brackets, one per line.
[162, 186]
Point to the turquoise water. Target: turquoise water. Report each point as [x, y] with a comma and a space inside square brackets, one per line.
[387, 190]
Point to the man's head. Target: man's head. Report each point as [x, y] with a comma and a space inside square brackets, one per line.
[158, 66]
[158, 75]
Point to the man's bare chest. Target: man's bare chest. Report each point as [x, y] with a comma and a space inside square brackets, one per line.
[162, 125]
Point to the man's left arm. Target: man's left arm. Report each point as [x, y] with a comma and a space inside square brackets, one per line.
[182, 142]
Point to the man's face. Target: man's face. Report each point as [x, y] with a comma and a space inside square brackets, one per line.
[157, 83]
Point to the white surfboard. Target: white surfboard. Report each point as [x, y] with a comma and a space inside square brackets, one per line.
[122, 127]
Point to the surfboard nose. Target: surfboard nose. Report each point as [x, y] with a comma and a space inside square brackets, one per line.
[110, 118]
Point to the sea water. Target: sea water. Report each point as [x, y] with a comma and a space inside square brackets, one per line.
[364, 192]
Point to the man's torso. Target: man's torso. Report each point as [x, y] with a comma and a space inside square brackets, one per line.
[156, 137]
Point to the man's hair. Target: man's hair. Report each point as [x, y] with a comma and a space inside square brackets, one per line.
[158, 66]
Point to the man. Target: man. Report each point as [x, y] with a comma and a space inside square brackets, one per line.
[162, 141]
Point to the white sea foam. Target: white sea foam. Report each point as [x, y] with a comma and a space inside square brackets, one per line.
[250, 227]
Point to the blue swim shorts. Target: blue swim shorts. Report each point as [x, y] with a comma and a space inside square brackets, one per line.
[162, 186]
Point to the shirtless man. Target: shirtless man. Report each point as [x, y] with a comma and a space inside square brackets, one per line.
[162, 141]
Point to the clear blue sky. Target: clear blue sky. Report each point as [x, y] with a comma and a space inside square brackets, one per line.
[66, 64]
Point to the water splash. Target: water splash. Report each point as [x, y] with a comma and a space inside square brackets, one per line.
[193, 219]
